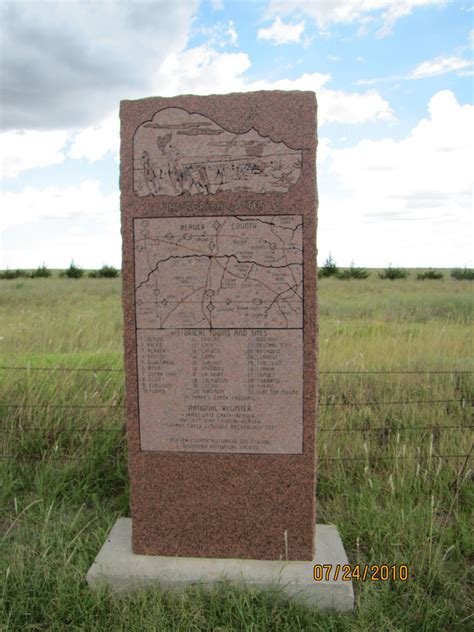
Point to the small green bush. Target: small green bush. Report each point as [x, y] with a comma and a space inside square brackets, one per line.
[463, 274]
[353, 273]
[41, 272]
[429, 274]
[329, 268]
[106, 272]
[73, 272]
[393, 273]
[13, 274]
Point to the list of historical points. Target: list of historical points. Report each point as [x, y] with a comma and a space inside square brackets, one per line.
[219, 308]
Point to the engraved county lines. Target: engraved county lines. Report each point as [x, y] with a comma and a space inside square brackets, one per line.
[219, 272]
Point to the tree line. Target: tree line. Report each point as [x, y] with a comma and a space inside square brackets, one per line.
[73, 272]
[331, 269]
[328, 269]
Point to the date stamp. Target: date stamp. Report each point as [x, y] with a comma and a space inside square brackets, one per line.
[360, 572]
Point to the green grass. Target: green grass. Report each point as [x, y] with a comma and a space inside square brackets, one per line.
[68, 482]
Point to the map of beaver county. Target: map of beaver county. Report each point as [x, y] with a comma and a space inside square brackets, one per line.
[219, 272]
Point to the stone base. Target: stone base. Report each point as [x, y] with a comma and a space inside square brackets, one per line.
[117, 566]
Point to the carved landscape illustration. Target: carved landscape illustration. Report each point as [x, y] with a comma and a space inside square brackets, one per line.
[178, 153]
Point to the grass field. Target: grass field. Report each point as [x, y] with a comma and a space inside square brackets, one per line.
[385, 477]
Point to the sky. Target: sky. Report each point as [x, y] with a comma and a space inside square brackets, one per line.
[393, 81]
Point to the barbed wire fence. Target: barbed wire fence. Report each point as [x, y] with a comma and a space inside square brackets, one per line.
[463, 402]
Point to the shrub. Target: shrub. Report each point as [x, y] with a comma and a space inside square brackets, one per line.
[463, 274]
[13, 274]
[353, 273]
[329, 268]
[41, 272]
[106, 272]
[429, 274]
[73, 272]
[393, 273]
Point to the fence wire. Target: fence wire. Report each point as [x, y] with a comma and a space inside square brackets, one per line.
[463, 402]
[319, 459]
[21, 428]
[333, 372]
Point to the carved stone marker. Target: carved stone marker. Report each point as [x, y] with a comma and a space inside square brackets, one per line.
[218, 200]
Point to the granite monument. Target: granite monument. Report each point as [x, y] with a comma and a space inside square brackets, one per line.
[218, 203]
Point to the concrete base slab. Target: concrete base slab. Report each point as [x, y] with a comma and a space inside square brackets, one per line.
[117, 566]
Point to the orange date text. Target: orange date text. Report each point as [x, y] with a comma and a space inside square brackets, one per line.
[360, 572]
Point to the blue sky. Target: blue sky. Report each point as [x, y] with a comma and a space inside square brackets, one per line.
[393, 78]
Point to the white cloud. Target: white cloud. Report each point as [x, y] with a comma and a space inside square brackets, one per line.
[221, 34]
[56, 224]
[381, 12]
[66, 65]
[323, 150]
[96, 141]
[433, 161]
[281, 33]
[24, 150]
[201, 70]
[232, 33]
[439, 66]
[371, 82]
[430, 68]
[307, 81]
[34, 204]
[336, 106]
[63, 70]
[20, 151]
[412, 198]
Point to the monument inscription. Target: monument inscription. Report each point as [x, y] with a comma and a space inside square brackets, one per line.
[218, 205]
[241, 278]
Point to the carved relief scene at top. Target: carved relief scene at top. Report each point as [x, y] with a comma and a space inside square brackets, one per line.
[178, 153]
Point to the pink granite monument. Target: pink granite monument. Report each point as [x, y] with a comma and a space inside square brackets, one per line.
[218, 202]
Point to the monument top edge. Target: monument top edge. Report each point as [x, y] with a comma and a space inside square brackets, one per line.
[226, 94]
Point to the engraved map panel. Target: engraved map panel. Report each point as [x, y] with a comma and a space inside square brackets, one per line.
[180, 152]
[219, 272]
